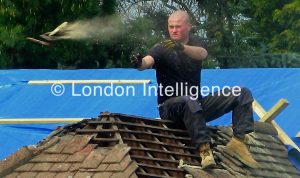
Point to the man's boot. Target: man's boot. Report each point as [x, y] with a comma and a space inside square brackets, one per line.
[207, 158]
[237, 148]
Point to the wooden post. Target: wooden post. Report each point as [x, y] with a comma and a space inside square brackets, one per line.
[265, 117]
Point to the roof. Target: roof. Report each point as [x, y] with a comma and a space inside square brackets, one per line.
[118, 145]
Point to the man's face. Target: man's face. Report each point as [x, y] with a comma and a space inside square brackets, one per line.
[178, 29]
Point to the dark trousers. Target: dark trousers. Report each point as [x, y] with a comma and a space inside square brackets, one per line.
[194, 114]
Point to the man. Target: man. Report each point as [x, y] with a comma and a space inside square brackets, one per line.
[178, 65]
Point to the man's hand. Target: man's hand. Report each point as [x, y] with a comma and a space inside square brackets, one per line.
[170, 44]
[136, 60]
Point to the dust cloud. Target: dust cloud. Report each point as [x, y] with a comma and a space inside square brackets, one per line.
[98, 29]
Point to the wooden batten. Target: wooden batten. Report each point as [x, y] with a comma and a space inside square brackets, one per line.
[269, 117]
[47, 82]
[39, 120]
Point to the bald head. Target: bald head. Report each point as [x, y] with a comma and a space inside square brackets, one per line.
[180, 14]
[179, 26]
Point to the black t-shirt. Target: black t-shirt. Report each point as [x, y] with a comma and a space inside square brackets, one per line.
[176, 72]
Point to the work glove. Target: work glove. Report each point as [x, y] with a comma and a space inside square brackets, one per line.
[136, 60]
[170, 44]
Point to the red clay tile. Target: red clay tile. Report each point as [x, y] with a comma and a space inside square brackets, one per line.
[27, 175]
[64, 175]
[116, 154]
[25, 167]
[75, 167]
[93, 160]
[83, 174]
[86, 150]
[133, 176]
[49, 158]
[60, 167]
[81, 155]
[119, 166]
[46, 175]
[102, 167]
[76, 158]
[57, 148]
[13, 175]
[102, 175]
[41, 167]
[16, 158]
[127, 173]
[47, 144]
[77, 144]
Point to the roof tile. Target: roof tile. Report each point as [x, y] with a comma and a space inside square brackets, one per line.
[57, 148]
[232, 163]
[197, 173]
[102, 167]
[60, 167]
[64, 175]
[84, 174]
[75, 167]
[116, 154]
[27, 174]
[127, 173]
[15, 159]
[119, 166]
[12, 175]
[75, 158]
[77, 144]
[41, 167]
[93, 160]
[49, 158]
[45, 175]
[81, 155]
[103, 174]
[133, 176]
[25, 167]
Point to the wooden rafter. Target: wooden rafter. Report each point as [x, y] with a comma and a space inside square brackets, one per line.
[269, 116]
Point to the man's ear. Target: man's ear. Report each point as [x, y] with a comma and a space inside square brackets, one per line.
[190, 27]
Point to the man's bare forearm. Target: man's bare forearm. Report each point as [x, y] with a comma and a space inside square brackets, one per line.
[147, 62]
[195, 52]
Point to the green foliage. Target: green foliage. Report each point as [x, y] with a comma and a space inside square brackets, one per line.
[289, 19]
[255, 33]
[27, 18]
[244, 33]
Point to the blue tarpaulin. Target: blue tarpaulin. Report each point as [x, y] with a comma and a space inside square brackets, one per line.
[18, 99]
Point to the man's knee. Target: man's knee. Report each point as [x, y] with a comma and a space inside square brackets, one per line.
[245, 96]
[192, 104]
[186, 102]
[181, 99]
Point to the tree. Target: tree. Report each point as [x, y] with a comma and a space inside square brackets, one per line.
[244, 33]
[273, 32]
[20, 19]
[288, 38]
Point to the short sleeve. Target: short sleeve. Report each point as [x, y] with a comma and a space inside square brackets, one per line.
[157, 52]
[196, 42]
